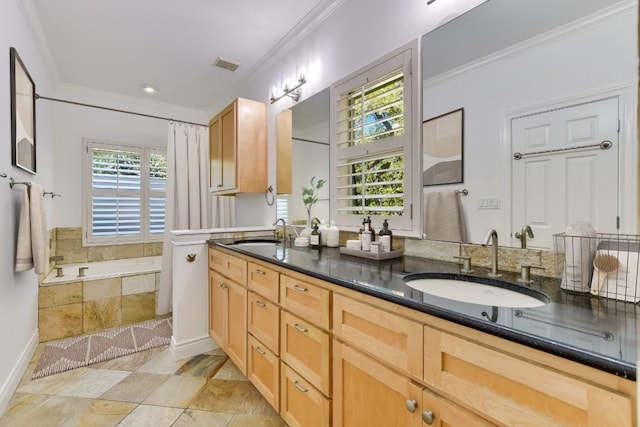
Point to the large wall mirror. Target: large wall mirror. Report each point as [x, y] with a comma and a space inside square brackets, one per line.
[550, 80]
[309, 157]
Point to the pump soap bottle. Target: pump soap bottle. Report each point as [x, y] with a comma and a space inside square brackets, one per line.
[365, 238]
[385, 237]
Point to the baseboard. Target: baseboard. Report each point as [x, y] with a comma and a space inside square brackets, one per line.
[11, 384]
[192, 347]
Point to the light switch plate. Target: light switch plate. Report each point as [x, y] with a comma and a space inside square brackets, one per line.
[489, 203]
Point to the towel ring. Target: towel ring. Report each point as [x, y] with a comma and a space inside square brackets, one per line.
[266, 196]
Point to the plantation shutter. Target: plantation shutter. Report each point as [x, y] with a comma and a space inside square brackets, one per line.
[282, 207]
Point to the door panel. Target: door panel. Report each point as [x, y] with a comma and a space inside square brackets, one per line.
[553, 190]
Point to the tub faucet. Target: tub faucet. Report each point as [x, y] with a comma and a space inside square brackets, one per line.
[492, 238]
[284, 228]
[522, 235]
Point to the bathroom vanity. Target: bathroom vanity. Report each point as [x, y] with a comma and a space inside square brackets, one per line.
[330, 339]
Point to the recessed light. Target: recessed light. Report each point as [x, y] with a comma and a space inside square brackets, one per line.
[148, 89]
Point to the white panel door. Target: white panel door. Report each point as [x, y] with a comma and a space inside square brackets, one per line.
[552, 190]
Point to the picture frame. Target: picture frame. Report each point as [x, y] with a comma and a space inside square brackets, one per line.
[443, 149]
[23, 115]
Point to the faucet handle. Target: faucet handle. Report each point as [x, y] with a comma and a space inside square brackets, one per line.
[466, 264]
[525, 272]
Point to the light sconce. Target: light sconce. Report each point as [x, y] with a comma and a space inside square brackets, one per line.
[293, 93]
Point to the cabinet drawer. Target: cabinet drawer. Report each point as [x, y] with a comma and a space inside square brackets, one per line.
[507, 389]
[229, 266]
[308, 301]
[263, 370]
[264, 321]
[263, 281]
[306, 349]
[387, 336]
[301, 405]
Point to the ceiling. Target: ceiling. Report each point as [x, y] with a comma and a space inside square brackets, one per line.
[117, 45]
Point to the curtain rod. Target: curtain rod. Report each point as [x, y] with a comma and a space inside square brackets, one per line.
[117, 110]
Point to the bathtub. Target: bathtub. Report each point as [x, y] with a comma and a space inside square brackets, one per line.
[105, 269]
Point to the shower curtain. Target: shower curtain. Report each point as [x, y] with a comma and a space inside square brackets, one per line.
[187, 206]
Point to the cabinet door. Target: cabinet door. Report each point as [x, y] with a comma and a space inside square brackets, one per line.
[237, 325]
[367, 393]
[307, 349]
[217, 308]
[387, 336]
[215, 155]
[511, 391]
[228, 143]
[308, 301]
[301, 405]
[263, 370]
[264, 321]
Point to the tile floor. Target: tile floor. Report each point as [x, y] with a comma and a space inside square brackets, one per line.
[143, 389]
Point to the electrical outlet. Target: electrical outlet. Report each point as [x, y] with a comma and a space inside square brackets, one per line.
[489, 203]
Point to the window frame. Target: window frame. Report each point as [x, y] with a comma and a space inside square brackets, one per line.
[407, 57]
[88, 239]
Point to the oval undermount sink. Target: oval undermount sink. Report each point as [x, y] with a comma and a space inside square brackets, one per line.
[257, 242]
[476, 290]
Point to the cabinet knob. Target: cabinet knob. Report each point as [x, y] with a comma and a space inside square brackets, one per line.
[411, 405]
[191, 257]
[427, 417]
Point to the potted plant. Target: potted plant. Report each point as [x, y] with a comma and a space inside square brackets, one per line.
[310, 196]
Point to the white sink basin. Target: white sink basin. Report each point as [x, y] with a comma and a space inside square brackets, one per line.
[476, 290]
[256, 242]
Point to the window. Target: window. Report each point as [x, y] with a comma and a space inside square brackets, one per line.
[282, 207]
[373, 144]
[125, 197]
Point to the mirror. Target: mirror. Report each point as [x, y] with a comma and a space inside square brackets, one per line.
[309, 156]
[505, 61]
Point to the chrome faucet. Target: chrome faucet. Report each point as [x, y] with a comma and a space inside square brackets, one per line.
[284, 228]
[522, 235]
[492, 238]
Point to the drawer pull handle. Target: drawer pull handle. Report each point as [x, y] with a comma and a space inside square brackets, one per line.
[299, 387]
[260, 351]
[411, 405]
[300, 328]
[299, 288]
[260, 304]
[427, 417]
[258, 271]
[223, 286]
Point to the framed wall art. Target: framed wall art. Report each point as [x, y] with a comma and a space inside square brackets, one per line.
[443, 149]
[23, 115]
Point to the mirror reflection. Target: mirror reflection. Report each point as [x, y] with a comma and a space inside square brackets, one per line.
[551, 81]
[309, 157]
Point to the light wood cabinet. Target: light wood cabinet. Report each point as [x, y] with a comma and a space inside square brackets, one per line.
[238, 148]
[228, 319]
[308, 301]
[263, 370]
[512, 391]
[301, 405]
[264, 281]
[264, 321]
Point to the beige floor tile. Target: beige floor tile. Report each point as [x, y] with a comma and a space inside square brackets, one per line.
[151, 416]
[230, 396]
[81, 382]
[203, 365]
[243, 420]
[162, 363]
[130, 362]
[135, 388]
[176, 392]
[193, 418]
[47, 412]
[229, 371]
[101, 413]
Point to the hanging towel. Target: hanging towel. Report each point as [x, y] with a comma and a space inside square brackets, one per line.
[443, 217]
[33, 236]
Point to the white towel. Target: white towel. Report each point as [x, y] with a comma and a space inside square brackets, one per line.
[443, 217]
[33, 236]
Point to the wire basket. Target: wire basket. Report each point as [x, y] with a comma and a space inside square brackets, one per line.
[617, 264]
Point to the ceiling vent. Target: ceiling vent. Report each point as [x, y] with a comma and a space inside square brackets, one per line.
[226, 64]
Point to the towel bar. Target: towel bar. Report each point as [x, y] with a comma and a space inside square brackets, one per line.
[3, 175]
[13, 182]
[463, 192]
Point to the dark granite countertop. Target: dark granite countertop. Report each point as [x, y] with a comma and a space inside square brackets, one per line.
[597, 332]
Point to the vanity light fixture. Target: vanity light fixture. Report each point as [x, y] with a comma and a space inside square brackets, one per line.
[148, 89]
[293, 93]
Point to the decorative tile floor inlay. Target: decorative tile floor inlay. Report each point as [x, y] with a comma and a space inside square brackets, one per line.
[147, 388]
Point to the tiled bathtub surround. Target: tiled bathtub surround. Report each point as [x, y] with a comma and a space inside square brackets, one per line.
[72, 308]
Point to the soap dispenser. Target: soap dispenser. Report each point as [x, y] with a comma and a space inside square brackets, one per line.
[371, 230]
[365, 238]
[385, 237]
[333, 235]
[314, 237]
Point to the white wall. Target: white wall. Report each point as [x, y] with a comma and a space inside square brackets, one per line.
[525, 79]
[333, 50]
[18, 291]
[73, 123]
